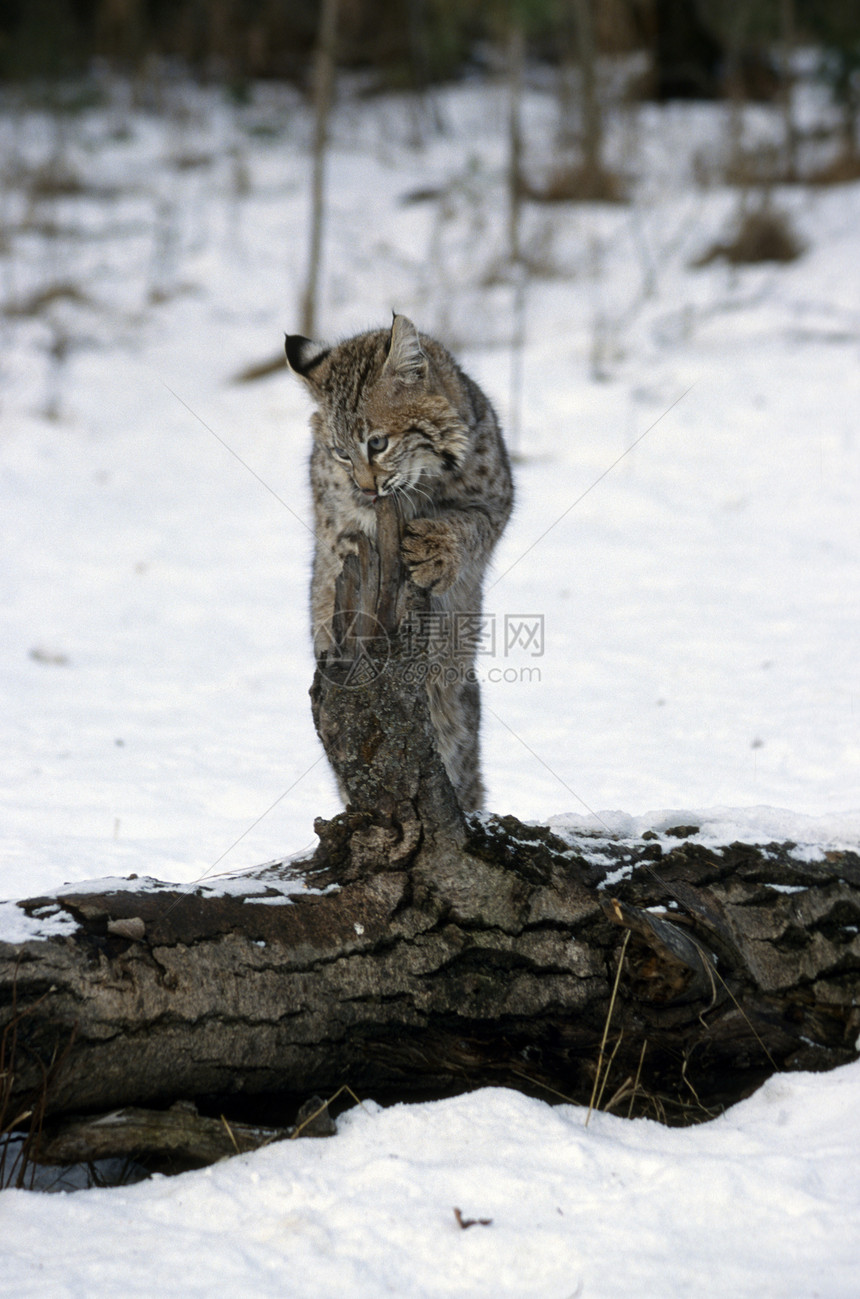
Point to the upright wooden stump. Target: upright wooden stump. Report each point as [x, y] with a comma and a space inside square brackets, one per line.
[371, 713]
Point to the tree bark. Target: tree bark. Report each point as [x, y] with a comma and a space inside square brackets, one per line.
[421, 952]
[370, 709]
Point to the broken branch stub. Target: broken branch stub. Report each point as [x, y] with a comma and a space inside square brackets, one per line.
[392, 575]
[370, 710]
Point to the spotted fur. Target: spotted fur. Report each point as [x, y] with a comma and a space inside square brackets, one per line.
[396, 415]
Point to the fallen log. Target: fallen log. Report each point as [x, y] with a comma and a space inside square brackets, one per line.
[493, 964]
[170, 1140]
[420, 952]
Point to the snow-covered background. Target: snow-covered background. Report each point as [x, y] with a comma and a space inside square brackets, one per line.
[700, 625]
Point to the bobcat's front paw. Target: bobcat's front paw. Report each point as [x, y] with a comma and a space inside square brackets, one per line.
[430, 549]
[346, 544]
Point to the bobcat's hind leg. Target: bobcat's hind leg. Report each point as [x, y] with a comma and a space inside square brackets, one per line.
[455, 711]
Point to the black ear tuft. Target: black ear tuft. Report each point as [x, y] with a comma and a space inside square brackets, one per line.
[303, 355]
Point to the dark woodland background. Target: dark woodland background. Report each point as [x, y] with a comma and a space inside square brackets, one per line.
[695, 48]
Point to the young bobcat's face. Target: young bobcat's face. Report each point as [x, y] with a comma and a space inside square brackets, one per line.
[383, 421]
[390, 450]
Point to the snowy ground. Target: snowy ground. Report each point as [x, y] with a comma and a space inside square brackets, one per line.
[764, 1201]
[699, 628]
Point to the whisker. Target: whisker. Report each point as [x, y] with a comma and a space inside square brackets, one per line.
[420, 492]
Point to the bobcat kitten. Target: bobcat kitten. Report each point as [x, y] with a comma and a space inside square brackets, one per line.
[395, 414]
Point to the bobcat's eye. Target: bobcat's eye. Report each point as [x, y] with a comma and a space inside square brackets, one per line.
[339, 455]
[377, 443]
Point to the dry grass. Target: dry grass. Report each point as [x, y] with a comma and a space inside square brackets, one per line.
[275, 364]
[765, 235]
[764, 165]
[768, 165]
[577, 183]
[35, 303]
[841, 170]
[21, 1122]
[55, 180]
[536, 263]
[601, 1073]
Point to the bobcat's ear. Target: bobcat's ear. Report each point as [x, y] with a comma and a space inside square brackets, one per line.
[405, 359]
[303, 355]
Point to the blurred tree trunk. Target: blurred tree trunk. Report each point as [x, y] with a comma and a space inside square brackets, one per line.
[516, 55]
[323, 90]
[592, 117]
[788, 43]
[119, 27]
[581, 118]
[687, 55]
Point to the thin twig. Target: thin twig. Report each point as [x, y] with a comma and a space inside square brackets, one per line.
[602, 1052]
[231, 1135]
[310, 1118]
[606, 1072]
[636, 1079]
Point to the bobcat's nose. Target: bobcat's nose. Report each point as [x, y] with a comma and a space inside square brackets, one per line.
[369, 493]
